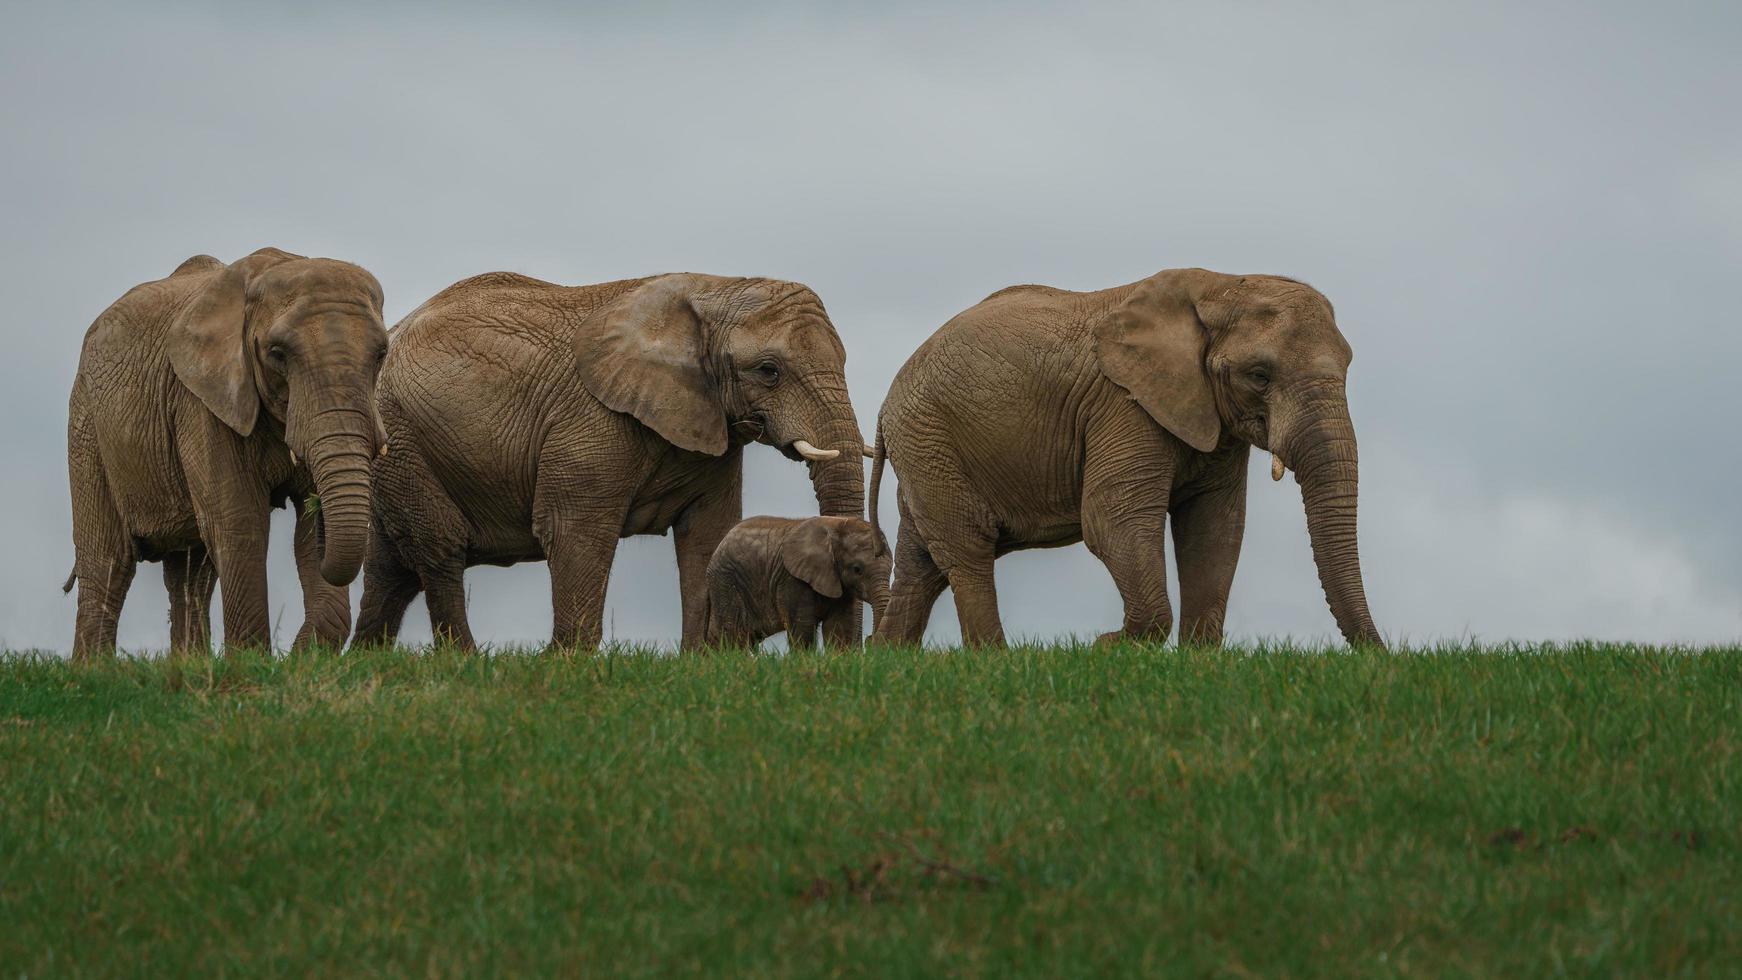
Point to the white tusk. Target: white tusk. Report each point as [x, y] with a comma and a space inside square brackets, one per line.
[812, 453]
[293, 457]
[1276, 467]
[382, 453]
[869, 452]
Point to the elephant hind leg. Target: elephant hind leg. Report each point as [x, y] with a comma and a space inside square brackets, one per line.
[918, 583]
[103, 562]
[189, 577]
[389, 586]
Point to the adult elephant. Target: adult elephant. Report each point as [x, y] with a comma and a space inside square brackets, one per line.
[1042, 417]
[204, 400]
[530, 421]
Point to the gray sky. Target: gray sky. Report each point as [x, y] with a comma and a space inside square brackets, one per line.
[1529, 218]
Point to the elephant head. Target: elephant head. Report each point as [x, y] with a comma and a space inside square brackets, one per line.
[696, 357]
[304, 338]
[840, 556]
[1257, 359]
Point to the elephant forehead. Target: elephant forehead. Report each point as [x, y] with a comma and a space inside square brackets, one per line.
[324, 278]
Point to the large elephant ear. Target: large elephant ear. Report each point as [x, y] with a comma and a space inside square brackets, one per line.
[643, 356]
[809, 554]
[207, 350]
[1152, 345]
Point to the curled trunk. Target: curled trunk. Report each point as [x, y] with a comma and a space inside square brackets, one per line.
[1325, 463]
[340, 446]
[879, 605]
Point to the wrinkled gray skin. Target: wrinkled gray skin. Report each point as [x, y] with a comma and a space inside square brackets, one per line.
[528, 421]
[192, 394]
[771, 574]
[1043, 417]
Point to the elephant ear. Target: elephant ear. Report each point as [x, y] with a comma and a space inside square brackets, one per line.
[643, 356]
[207, 351]
[1152, 345]
[809, 554]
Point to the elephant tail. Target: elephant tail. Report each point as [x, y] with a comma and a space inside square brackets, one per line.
[71, 578]
[878, 455]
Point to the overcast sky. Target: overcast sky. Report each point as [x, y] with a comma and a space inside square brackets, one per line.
[1529, 218]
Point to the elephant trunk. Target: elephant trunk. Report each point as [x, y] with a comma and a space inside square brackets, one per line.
[1323, 457]
[879, 604]
[839, 482]
[340, 445]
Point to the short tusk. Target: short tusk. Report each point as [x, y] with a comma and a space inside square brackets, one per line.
[293, 457]
[812, 453]
[1276, 467]
[382, 452]
[869, 452]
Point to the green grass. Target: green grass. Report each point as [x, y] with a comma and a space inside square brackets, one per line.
[1045, 812]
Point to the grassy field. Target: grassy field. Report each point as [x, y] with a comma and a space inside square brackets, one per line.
[1043, 812]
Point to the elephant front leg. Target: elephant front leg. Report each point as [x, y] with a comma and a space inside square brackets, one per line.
[842, 627]
[801, 628]
[1207, 532]
[695, 536]
[580, 556]
[326, 608]
[1125, 509]
[239, 549]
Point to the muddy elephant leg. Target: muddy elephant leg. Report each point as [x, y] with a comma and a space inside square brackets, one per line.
[389, 586]
[1207, 532]
[580, 553]
[1125, 503]
[326, 608]
[189, 577]
[918, 582]
[696, 535]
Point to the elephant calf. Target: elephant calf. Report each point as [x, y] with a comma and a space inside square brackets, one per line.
[777, 573]
[202, 401]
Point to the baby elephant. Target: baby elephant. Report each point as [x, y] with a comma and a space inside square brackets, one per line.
[779, 573]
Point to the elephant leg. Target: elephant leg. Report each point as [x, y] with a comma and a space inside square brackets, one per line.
[842, 628]
[580, 555]
[918, 582]
[1207, 531]
[419, 544]
[189, 577]
[326, 608]
[971, 581]
[389, 586]
[801, 628]
[444, 591]
[239, 548]
[1125, 507]
[696, 535]
[103, 561]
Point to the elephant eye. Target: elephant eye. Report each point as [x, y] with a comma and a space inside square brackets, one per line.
[767, 372]
[1259, 377]
[276, 353]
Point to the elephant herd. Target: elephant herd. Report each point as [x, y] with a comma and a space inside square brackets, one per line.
[509, 419]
